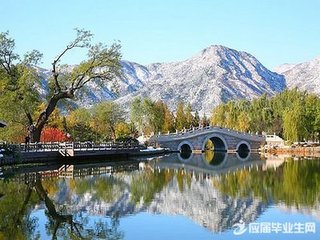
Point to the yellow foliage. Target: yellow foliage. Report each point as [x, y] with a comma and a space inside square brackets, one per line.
[209, 156]
[122, 129]
[50, 185]
[55, 119]
[2, 237]
[72, 184]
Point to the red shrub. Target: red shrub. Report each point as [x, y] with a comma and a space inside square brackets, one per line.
[52, 135]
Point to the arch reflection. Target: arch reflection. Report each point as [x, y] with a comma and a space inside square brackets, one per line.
[214, 158]
[243, 156]
[185, 155]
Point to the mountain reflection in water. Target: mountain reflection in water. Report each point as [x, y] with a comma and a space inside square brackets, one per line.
[214, 189]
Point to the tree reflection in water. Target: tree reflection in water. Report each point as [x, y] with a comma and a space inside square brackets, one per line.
[295, 183]
[15, 221]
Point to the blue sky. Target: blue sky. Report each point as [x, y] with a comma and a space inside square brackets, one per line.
[274, 31]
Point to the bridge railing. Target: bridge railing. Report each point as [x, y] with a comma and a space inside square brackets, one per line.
[201, 129]
[76, 146]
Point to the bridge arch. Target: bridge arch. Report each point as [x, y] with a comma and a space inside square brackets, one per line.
[243, 146]
[185, 148]
[184, 145]
[243, 150]
[220, 144]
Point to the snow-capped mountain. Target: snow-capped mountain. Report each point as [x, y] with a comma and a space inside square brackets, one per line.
[214, 75]
[304, 76]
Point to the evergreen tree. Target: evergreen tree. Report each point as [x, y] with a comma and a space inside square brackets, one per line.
[156, 115]
[180, 116]
[138, 114]
[196, 119]
[168, 124]
[189, 117]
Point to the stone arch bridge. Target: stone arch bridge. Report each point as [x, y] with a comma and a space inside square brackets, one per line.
[223, 139]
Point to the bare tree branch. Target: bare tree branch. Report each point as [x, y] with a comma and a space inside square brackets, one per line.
[81, 41]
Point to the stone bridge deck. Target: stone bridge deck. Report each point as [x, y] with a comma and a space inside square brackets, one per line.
[223, 139]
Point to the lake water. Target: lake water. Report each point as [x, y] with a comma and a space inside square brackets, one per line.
[197, 196]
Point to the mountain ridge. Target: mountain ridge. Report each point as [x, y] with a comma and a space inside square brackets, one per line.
[214, 75]
[305, 76]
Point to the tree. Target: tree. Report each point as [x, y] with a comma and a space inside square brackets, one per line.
[243, 122]
[52, 135]
[168, 124]
[80, 126]
[18, 88]
[196, 119]
[123, 130]
[102, 64]
[156, 116]
[56, 118]
[292, 124]
[231, 116]
[218, 115]
[138, 113]
[148, 116]
[204, 120]
[310, 109]
[180, 116]
[189, 116]
[106, 116]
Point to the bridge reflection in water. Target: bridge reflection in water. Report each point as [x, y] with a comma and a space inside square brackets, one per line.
[211, 162]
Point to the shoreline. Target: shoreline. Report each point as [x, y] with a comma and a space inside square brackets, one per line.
[80, 156]
[300, 151]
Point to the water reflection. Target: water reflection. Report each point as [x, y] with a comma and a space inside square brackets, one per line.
[17, 222]
[212, 162]
[186, 155]
[243, 155]
[214, 190]
[215, 158]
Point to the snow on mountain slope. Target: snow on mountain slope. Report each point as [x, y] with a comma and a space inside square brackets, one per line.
[284, 67]
[133, 76]
[304, 76]
[216, 74]
[199, 201]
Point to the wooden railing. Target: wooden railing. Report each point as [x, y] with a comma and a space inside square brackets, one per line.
[75, 146]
